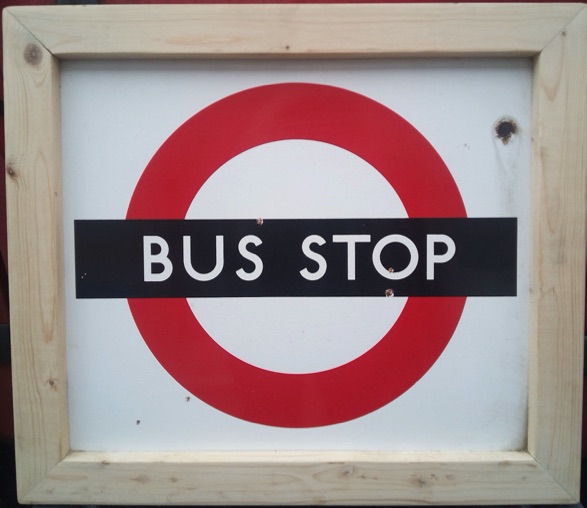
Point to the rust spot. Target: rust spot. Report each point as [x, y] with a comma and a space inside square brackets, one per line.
[389, 292]
[505, 129]
[259, 221]
[33, 54]
[52, 384]
[287, 48]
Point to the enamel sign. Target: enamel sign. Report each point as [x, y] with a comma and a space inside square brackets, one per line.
[436, 257]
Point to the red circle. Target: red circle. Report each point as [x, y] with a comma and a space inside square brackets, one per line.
[313, 112]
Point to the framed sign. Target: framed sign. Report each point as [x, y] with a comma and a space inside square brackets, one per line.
[297, 254]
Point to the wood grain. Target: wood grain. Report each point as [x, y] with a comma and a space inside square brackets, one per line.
[339, 478]
[33, 185]
[558, 264]
[295, 30]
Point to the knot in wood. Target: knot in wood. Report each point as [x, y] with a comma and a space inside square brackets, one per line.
[11, 172]
[348, 471]
[33, 54]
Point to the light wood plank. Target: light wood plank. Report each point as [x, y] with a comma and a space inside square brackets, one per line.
[339, 478]
[558, 265]
[33, 184]
[295, 30]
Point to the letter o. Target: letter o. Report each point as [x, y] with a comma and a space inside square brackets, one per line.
[408, 270]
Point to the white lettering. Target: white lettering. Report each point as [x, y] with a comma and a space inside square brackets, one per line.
[187, 260]
[314, 256]
[256, 260]
[431, 258]
[150, 259]
[388, 272]
[351, 241]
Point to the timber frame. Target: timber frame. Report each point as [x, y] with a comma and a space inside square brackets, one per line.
[36, 39]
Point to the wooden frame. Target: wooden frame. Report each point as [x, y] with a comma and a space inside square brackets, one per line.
[547, 471]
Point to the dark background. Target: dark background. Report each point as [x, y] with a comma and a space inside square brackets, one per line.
[109, 258]
[7, 474]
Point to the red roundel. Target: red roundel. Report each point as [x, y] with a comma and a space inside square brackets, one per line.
[308, 112]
